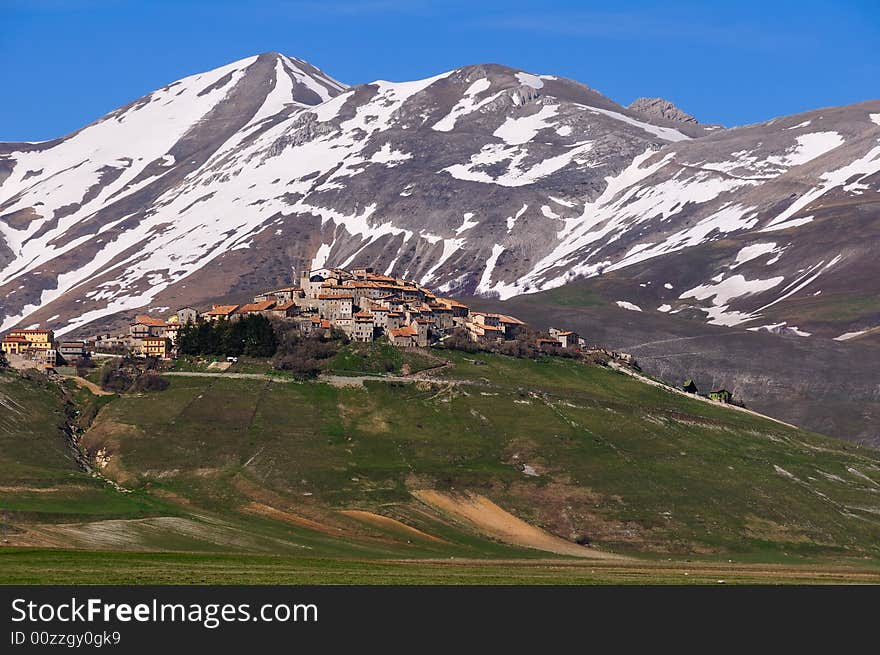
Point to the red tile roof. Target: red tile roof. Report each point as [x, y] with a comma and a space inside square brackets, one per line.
[257, 306]
[222, 310]
[404, 332]
[143, 319]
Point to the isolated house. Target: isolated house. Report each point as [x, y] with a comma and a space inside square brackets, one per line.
[720, 395]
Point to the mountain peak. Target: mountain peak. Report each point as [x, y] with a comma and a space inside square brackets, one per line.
[661, 108]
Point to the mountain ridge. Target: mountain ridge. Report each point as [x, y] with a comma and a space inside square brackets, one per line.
[484, 179]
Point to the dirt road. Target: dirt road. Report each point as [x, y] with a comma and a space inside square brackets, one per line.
[335, 380]
[88, 384]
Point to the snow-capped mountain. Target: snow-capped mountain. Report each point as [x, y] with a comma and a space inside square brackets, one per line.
[483, 180]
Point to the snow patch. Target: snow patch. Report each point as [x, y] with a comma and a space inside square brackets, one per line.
[723, 292]
[486, 278]
[467, 223]
[665, 133]
[385, 155]
[516, 131]
[530, 80]
[624, 304]
[465, 105]
[754, 251]
[846, 336]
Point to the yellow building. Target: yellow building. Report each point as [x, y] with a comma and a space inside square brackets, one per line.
[155, 347]
[14, 345]
[36, 339]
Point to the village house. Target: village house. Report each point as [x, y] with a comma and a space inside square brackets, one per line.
[154, 347]
[484, 333]
[395, 320]
[34, 344]
[285, 295]
[287, 309]
[335, 307]
[14, 345]
[567, 338]
[186, 315]
[111, 343]
[218, 312]
[171, 332]
[72, 350]
[262, 308]
[146, 326]
[364, 328]
[423, 331]
[35, 340]
[404, 337]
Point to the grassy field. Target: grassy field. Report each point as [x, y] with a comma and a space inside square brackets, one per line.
[379, 357]
[25, 566]
[307, 482]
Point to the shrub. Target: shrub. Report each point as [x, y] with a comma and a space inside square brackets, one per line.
[302, 366]
[115, 376]
[146, 382]
[460, 339]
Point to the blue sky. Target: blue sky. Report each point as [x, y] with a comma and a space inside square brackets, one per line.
[67, 62]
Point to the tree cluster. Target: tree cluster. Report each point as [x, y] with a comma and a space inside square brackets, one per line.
[252, 336]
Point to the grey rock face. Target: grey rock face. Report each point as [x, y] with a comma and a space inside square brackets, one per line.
[661, 108]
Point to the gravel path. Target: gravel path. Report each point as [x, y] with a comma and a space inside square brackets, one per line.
[335, 380]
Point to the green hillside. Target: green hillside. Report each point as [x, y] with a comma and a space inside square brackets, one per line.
[427, 469]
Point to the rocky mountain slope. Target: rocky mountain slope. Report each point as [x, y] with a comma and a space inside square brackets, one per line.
[482, 180]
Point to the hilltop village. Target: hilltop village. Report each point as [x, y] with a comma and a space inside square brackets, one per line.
[361, 304]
